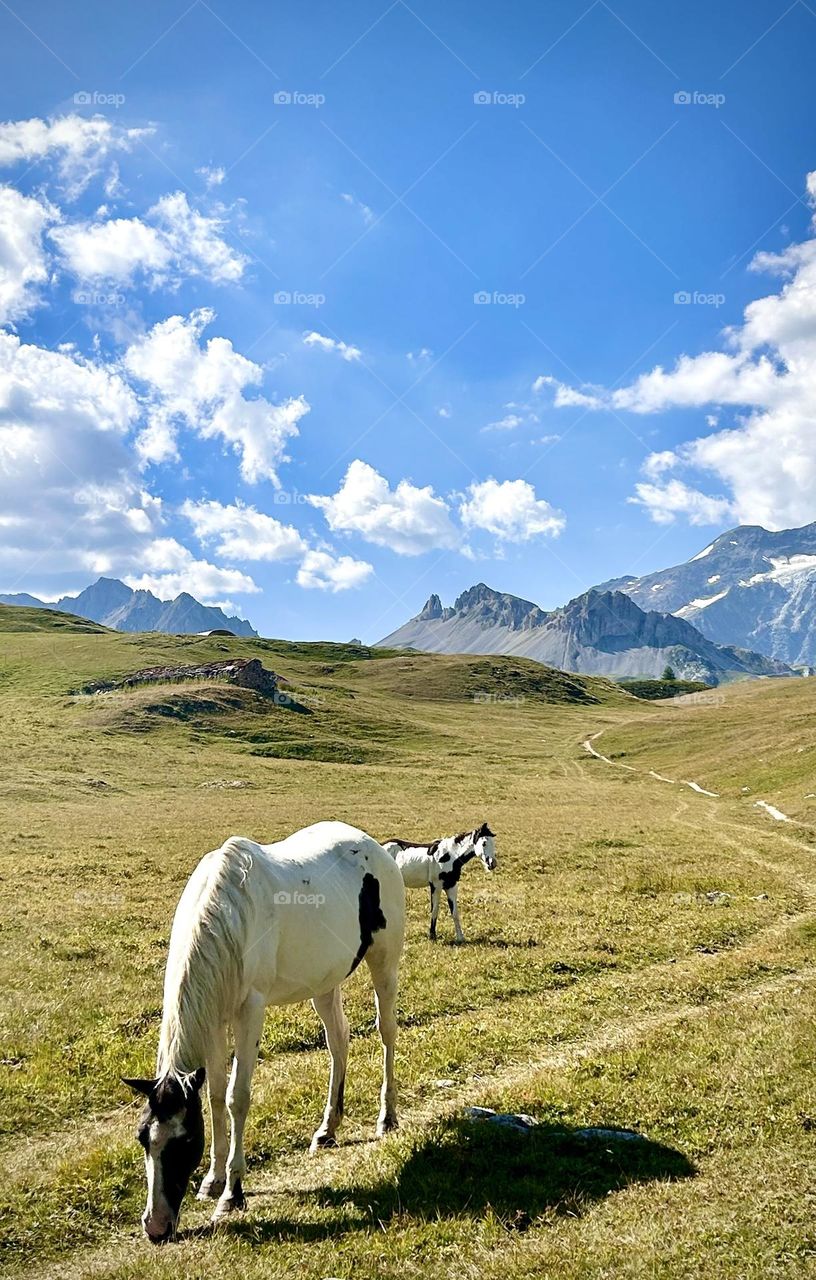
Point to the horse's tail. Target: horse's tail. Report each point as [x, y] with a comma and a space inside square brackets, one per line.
[205, 964]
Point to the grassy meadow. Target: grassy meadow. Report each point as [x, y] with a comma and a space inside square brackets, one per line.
[643, 958]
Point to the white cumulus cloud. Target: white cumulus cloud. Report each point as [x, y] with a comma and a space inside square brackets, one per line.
[764, 465]
[171, 242]
[78, 144]
[323, 343]
[665, 502]
[240, 532]
[565, 397]
[68, 483]
[510, 510]
[408, 519]
[202, 387]
[23, 263]
[172, 568]
[324, 572]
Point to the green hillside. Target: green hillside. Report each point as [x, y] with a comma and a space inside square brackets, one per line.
[19, 618]
[641, 959]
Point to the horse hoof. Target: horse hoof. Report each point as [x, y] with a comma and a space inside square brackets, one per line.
[211, 1189]
[322, 1142]
[230, 1203]
[387, 1125]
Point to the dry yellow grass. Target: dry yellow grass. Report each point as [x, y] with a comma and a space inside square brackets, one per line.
[642, 958]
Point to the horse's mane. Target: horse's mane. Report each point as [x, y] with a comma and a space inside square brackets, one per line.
[432, 845]
[206, 959]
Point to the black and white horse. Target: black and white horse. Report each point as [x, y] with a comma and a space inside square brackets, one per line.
[437, 865]
[259, 925]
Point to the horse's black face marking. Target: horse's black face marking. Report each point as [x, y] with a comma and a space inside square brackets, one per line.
[171, 1133]
[371, 916]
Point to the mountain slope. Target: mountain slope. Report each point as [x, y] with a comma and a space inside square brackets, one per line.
[599, 633]
[116, 605]
[749, 587]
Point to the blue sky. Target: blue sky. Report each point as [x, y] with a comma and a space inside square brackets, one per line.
[242, 253]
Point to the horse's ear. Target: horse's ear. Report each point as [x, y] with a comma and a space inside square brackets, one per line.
[197, 1078]
[144, 1087]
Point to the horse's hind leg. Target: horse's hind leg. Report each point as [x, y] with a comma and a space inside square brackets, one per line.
[215, 1181]
[384, 976]
[247, 1026]
[329, 1008]
[436, 898]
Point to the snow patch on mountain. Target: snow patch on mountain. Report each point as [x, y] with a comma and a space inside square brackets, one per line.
[766, 591]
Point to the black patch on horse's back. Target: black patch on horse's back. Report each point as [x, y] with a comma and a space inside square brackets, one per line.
[430, 846]
[371, 916]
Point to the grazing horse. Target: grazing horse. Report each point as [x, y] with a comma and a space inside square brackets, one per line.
[438, 865]
[259, 925]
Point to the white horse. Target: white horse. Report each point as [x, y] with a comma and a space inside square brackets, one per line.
[438, 865]
[259, 925]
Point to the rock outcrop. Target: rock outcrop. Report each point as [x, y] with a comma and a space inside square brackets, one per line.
[246, 673]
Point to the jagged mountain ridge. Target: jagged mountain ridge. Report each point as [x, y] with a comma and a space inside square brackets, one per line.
[750, 586]
[598, 633]
[117, 605]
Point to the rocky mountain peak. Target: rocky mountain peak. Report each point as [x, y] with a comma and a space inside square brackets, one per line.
[431, 609]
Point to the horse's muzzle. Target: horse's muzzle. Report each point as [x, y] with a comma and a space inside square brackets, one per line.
[159, 1237]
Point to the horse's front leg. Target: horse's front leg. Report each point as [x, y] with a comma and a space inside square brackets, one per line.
[248, 1026]
[213, 1185]
[452, 895]
[329, 1008]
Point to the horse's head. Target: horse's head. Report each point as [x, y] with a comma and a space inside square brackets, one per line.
[171, 1132]
[485, 845]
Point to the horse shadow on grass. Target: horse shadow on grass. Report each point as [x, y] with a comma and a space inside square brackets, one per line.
[461, 1167]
